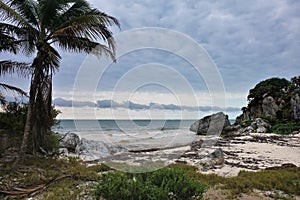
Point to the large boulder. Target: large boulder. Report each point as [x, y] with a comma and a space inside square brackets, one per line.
[70, 141]
[211, 125]
[91, 150]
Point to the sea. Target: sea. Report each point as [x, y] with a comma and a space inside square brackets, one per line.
[133, 134]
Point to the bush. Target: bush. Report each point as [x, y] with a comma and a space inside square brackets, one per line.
[12, 122]
[166, 183]
[286, 128]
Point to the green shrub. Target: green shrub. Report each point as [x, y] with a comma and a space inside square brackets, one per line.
[286, 128]
[12, 122]
[166, 183]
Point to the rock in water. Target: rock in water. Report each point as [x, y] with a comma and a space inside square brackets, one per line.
[90, 149]
[70, 141]
[211, 125]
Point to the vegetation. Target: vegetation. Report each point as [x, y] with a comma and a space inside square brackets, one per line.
[71, 179]
[39, 25]
[12, 122]
[285, 128]
[166, 183]
[49, 178]
[284, 94]
[272, 86]
[286, 180]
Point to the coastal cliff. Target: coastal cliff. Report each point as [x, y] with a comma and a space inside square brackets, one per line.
[274, 98]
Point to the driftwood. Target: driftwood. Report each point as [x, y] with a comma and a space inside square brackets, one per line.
[157, 149]
[33, 189]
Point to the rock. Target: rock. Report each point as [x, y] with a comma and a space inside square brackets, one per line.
[90, 149]
[63, 151]
[261, 130]
[283, 166]
[196, 145]
[70, 141]
[231, 130]
[218, 153]
[258, 125]
[211, 125]
[248, 129]
[295, 106]
[269, 107]
[215, 158]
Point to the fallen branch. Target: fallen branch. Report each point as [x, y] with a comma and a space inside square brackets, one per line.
[34, 189]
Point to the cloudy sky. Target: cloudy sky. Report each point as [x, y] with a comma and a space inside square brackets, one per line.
[161, 73]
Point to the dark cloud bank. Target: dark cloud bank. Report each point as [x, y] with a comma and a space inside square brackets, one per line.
[106, 103]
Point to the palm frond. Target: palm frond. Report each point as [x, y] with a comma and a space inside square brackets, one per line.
[25, 36]
[10, 67]
[9, 14]
[27, 9]
[79, 44]
[8, 43]
[12, 88]
[90, 25]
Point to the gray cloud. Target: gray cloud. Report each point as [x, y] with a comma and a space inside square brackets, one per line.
[248, 40]
[107, 103]
[243, 38]
[69, 103]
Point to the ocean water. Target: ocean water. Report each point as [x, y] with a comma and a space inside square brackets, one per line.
[131, 133]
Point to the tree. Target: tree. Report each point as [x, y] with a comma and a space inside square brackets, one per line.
[71, 25]
[274, 86]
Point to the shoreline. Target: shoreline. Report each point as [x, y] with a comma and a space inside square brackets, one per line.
[250, 152]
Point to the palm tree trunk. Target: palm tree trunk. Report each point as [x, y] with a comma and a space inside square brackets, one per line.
[29, 118]
[27, 127]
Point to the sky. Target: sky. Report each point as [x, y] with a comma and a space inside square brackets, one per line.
[179, 59]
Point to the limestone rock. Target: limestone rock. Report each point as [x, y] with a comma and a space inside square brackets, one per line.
[63, 151]
[70, 141]
[269, 107]
[215, 158]
[90, 149]
[295, 104]
[258, 125]
[211, 125]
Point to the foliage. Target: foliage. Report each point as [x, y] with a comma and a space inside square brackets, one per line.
[37, 170]
[42, 26]
[286, 180]
[14, 116]
[295, 83]
[274, 86]
[13, 119]
[166, 183]
[285, 128]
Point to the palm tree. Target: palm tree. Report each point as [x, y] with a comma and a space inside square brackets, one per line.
[71, 25]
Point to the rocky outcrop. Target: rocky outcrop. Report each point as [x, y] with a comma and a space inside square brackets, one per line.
[273, 98]
[257, 126]
[269, 107]
[211, 125]
[90, 149]
[70, 141]
[71, 144]
[295, 106]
